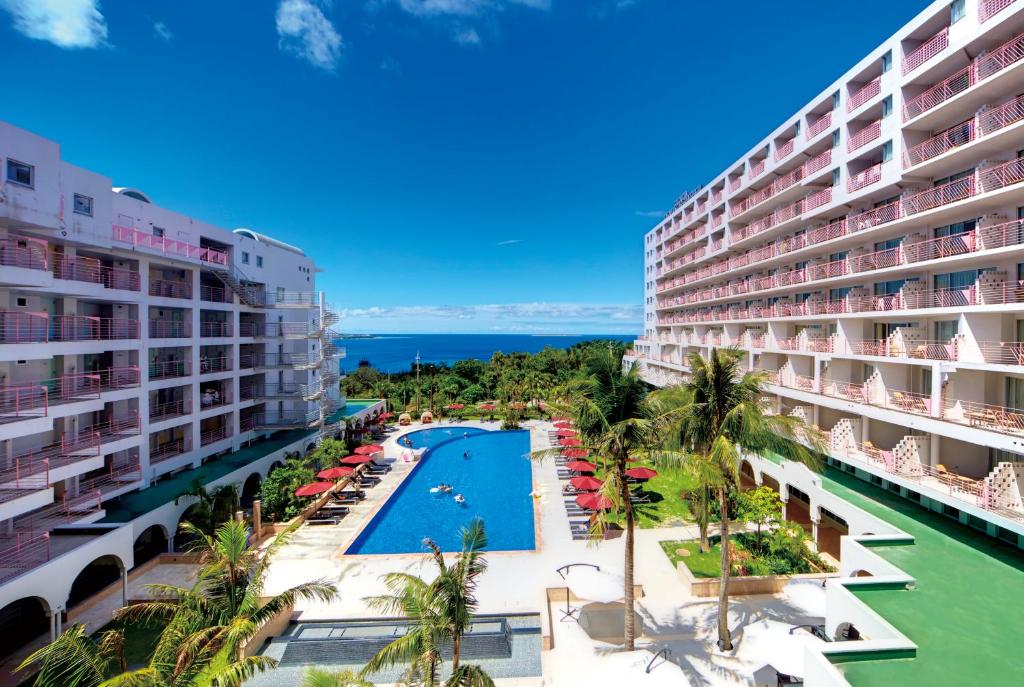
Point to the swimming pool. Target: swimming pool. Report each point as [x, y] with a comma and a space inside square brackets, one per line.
[496, 480]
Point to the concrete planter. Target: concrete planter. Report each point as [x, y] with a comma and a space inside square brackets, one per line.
[707, 587]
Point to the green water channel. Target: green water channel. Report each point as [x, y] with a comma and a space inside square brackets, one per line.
[966, 614]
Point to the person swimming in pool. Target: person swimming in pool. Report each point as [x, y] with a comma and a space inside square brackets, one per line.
[459, 498]
[465, 454]
[407, 441]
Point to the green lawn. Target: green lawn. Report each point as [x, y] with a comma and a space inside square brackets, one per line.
[667, 508]
[700, 564]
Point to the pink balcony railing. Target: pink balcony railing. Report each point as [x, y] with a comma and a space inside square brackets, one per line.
[990, 8]
[24, 400]
[756, 168]
[213, 435]
[1002, 352]
[168, 246]
[213, 294]
[952, 85]
[171, 409]
[168, 368]
[166, 288]
[878, 260]
[819, 125]
[818, 198]
[23, 327]
[90, 328]
[820, 345]
[989, 63]
[864, 178]
[947, 246]
[734, 183]
[214, 328]
[860, 139]
[168, 329]
[785, 149]
[804, 383]
[817, 163]
[952, 137]
[984, 415]
[847, 390]
[828, 270]
[114, 428]
[22, 551]
[117, 476]
[24, 252]
[864, 94]
[165, 451]
[1003, 116]
[874, 217]
[791, 243]
[946, 193]
[789, 344]
[926, 51]
[1006, 174]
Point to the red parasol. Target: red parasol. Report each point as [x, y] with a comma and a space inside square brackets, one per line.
[575, 453]
[566, 433]
[487, 406]
[560, 418]
[368, 450]
[570, 441]
[586, 483]
[385, 416]
[593, 501]
[356, 460]
[456, 406]
[335, 473]
[314, 488]
[641, 473]
[563, 424]
[580, 466]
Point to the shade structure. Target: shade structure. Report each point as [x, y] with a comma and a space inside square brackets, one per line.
[368, 450]
[580, 466]
[456, 406]
[586, 484]
[487, 406]
[593, 501]
[385, 416]
[563, 424]
[769, 642]
[314, 488]
[641, 473]
[593, 584]
[570, 441]
[356, 460]
[575, 453]
[566, 433]
[335, 473]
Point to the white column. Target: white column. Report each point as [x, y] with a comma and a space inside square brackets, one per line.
[124, 586]
[934, 450]
[936, 391]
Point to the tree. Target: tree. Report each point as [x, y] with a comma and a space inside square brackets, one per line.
[315, 677]
[615, 422]
[699, 501]
[277, 492]
[439, 612]
[205, 627]
[213, 506]
[717, 414]
[761, 506]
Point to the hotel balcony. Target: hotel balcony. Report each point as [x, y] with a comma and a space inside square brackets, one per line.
[980, 128]
[215, 328]
[40, 327]
[35, 398]
[926, 50]
[170, 329]
[863, 94]
[82, 268]
[161, 245]
[170, 443]
[868, 133]
[990, 8]
[24, 253]
[818, 126]
[158, 412]
[169, 366]
[270, 361]
[170, 288]
[981, 69]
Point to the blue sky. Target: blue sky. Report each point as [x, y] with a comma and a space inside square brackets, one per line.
[453, 165]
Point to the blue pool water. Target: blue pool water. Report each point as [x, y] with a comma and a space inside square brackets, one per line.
[496, 480]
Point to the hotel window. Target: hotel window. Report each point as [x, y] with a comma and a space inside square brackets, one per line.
[20, 173]
[835, 176]
[956, 280]
[956, 229]
[888, 244]
[840, 293]
[835, 138]
[835, 100]
[245, 258]
[886, 151]
[1015, 393]
[946, 330]
[888, 288]
[887, 61]
[158, 232]
[83, 205]
[259, 261]
[887, 106]
[957, 11]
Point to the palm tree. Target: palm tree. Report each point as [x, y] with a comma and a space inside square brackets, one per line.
[615, 422]
[440, 612]
[717, 415]
[213, 506]
[205, 627]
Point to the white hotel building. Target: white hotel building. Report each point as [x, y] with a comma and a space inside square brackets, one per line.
[869, 255]
[135, 343]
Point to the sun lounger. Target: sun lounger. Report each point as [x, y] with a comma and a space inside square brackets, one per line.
[322, 521]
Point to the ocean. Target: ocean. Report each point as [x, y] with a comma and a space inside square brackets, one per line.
[397, 352]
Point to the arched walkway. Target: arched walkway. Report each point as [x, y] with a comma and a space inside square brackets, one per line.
[183, 540]
[747, 478]
[250, 490]
[103, 571]
[847, 632]
[150, 544]
[22, 621]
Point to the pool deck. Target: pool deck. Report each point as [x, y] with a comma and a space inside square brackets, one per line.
[516, 582]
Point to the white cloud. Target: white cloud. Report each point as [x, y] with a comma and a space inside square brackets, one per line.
[390, 64]
[508, 242]
[467, 37]
[649, 213]
[162, 31]
[304, 30]
[454, 15]
[65, 23]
